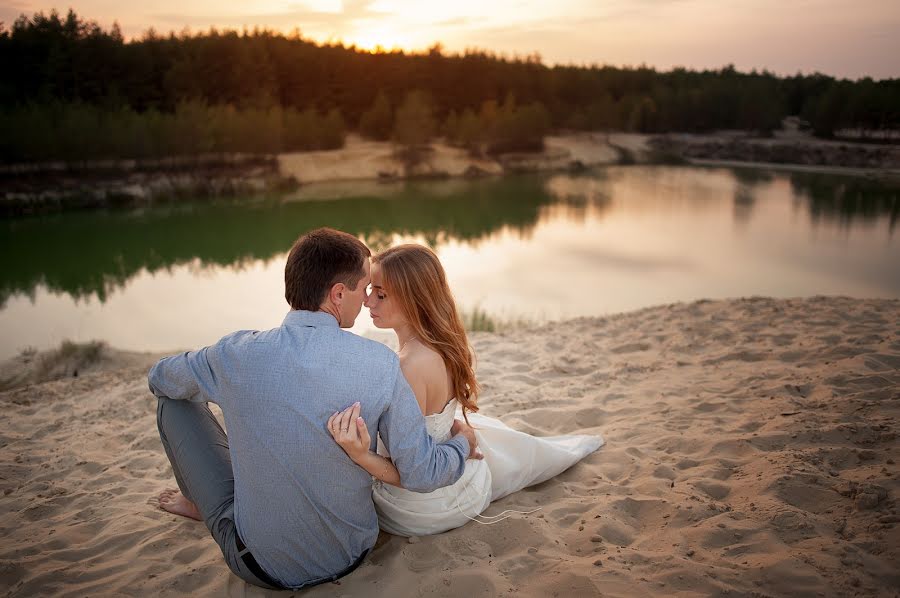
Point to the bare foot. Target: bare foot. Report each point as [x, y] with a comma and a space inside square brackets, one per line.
[173, 501]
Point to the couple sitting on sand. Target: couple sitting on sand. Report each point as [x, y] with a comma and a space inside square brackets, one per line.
[288, 495]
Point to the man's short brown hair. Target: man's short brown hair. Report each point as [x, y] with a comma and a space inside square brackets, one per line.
[318, 260]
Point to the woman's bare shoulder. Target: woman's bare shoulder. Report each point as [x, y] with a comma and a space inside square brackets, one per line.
[422, 361]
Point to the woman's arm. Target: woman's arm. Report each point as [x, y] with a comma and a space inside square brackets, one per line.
[350, 432]
[379, 467]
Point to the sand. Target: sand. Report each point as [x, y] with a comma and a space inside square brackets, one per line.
[751, 450]
[362, 159]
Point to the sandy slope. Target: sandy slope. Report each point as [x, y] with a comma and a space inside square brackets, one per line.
[361, 159]
[750, 451]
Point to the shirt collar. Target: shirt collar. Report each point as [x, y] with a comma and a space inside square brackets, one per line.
[300, 317]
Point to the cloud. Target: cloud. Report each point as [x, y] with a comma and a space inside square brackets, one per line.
[458, 22]
[299, 15]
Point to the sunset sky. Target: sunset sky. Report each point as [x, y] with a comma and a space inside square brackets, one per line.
[838, 37]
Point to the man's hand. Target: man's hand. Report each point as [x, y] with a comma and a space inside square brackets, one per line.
[461, 427]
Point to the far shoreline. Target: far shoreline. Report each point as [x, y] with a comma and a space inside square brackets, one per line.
[53, 187]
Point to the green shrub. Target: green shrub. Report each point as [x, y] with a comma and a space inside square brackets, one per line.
[378, 121]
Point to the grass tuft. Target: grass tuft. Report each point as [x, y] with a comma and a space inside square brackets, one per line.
[479, 320]
[68, 359]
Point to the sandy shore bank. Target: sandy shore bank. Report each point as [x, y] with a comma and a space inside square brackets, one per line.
[783, 151]
[751, 450]
[361, 159]
[368, 160]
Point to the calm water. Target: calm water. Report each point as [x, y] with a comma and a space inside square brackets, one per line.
[536, 247]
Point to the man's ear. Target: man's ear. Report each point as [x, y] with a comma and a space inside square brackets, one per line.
[336, 294]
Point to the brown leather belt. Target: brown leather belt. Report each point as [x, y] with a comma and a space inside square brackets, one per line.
[251, 563]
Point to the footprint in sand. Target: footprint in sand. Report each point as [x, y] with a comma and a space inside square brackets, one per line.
[723, 473]
[554, 346]
[792, 356]
[569, 514]
[519, 565]
[421, 558]
[876, 386]
[148, 442]
[806, 494]
[792, 527]
[721, 537]
[630, 348]
[748, 356]
[641, 510]
[613, 396]
[714, 490]
[617, 533]
[664, 472]
[687, 464]
[738, 448]
[89, 467]
[464, 545]
[708, 407]
[783, 340]
[38, 512]
[188, 554]
[750, 427]
[881, 362]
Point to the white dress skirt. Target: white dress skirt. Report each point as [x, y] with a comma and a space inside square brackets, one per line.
[512, 460]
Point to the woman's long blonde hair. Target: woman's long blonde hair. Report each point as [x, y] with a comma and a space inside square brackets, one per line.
[415, 278]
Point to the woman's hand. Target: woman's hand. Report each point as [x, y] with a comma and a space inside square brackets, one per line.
[350, 432]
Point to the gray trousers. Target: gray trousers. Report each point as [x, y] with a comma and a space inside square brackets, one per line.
[197, 448]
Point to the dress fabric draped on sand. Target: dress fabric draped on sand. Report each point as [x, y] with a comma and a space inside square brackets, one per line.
[512, 460]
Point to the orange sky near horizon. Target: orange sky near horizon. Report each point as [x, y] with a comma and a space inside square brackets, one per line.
[835, 37]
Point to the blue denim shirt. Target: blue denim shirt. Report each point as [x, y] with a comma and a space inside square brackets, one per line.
[302, 507]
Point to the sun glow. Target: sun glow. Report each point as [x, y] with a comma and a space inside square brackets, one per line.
[374, 39]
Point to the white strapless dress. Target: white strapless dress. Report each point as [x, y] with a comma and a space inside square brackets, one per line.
[512, 461]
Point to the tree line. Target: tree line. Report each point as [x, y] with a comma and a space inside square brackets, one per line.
[66, 77]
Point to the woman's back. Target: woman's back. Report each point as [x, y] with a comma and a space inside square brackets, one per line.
[427, 374]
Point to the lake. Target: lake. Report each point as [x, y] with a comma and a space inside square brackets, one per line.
[528, 248]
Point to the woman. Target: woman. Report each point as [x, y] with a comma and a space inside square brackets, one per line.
[410, 295]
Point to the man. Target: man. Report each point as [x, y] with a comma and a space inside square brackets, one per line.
[285, 504]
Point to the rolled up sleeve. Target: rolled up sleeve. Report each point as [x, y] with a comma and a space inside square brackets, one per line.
[188, 376]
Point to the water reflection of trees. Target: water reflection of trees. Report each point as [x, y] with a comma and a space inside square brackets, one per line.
[94, 253]
[828, 197]
[577, 196]
[89, 253]
[846, 200]
[747, 180]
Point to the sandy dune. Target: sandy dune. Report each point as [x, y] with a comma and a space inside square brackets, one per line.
[750, 451]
